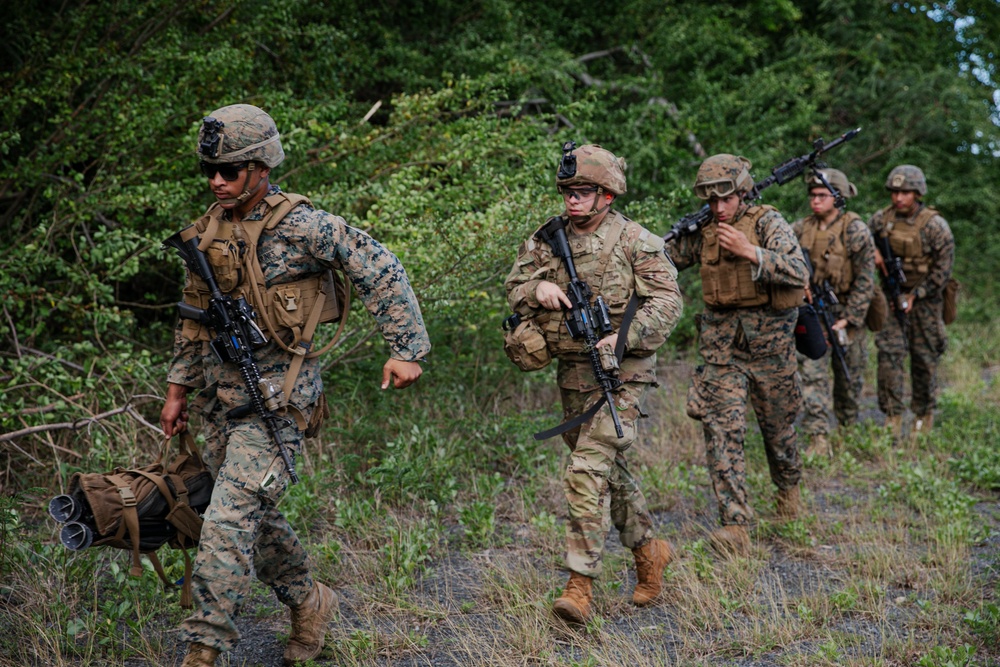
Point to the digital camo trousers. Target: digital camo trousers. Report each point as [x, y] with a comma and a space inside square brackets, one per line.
[600, 489]
[244, 532]
[814, 379]
[926, 342]
[718, 397]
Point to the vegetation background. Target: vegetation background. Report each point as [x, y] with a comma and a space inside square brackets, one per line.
[436, 126]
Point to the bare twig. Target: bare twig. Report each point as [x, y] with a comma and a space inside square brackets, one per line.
[13, 331]
[81, 423]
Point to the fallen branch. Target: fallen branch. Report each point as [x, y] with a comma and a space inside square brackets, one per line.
[128, 408]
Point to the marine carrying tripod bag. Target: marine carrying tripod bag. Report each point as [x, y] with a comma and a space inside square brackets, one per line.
[140, 509]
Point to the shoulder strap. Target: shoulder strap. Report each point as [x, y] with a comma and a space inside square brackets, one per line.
[610, 241]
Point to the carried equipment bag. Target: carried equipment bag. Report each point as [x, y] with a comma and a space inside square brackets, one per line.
[140, 509]
[951, 290]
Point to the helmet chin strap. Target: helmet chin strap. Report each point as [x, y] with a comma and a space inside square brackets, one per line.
[247, 192]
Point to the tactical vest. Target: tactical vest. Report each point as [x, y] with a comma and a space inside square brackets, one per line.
[283, 308]
[828, 251]
[905, 241]
[727, 280]
[592, 257]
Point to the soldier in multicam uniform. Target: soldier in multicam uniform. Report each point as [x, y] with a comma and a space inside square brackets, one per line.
[921, 237]
[243, 530]
[616, 257]
[753, 276]
[842, 251]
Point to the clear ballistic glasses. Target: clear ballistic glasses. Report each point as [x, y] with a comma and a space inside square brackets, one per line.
[576, 193]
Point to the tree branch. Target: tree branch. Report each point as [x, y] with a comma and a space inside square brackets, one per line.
[129, 408]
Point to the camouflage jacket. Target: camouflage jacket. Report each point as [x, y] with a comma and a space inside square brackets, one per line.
[938, 244]
[854, 304]
[636, 264]
[759, 331]
[309, 241]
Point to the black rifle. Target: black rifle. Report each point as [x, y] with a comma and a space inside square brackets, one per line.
[233, 324]
[823, 297]
[591, 322]
[783, 173]
[893, 279]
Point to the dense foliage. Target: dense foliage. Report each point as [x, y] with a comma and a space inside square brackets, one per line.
[102, 101]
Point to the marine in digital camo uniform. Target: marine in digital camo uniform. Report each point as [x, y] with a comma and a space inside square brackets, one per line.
[922, 238]
[753, 275]
[615, 256]
[243, 530]
[842, 252]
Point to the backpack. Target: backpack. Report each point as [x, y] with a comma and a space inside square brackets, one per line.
[140, 509]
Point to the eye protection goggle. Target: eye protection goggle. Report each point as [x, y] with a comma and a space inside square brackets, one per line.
[576, 193]
[722, 188]
[229, 171]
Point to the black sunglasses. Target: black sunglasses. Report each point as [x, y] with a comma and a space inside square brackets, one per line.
[229, 171]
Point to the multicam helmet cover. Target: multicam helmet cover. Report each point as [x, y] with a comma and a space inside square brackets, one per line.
[906, 177]
[594, 166]
[239, 133]
[722, 175]
[834, 177]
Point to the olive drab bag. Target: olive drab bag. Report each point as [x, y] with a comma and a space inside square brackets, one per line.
[140, 509]
[951, 290]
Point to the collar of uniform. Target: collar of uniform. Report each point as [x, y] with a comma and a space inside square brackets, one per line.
[261, 208]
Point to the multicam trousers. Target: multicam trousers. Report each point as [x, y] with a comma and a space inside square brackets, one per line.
[600, 489]
[243, 531]
[814, 380]
[718, 397]
[925, 341]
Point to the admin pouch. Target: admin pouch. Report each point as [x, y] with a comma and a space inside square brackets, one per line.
[140, 509]
[524, 343]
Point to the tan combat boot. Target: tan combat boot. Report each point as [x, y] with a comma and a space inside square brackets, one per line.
[733, 540]
[573, 606]
[788, 503]
[819, 445]
[650, 560]
[199, 655]
[895, 425]
[922, 425]
[309, 622]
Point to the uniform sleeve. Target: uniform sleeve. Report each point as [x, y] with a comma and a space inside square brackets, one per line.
[530, 268]
[684, 251]
[861, 251]
[380, 281]
[660, 301]
[942, 253]
[779, 256]
[187, 365]
[875, 224]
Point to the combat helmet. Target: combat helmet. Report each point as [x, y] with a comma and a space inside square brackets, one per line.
[591, 165]
[721, 175]
[834, 177]
[906, 177]
[239, 133]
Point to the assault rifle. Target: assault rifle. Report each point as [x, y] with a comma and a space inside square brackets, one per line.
[783, 173]
[586, 321]
[823, 297]
[893, 278]
[232, 322]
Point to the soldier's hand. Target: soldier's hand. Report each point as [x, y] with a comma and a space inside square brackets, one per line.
[880, 263]
[611, 341]
[401, 373]
[840, 324]
[736, 242]
[809, 295]
[910, 299]
[551, 296]
[174, 415]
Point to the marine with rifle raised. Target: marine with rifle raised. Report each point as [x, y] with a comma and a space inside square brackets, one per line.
[841, 251]
[595, 290]
[259, 282]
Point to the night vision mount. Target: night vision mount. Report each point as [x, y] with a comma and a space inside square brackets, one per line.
[567, 166]
[211, 139]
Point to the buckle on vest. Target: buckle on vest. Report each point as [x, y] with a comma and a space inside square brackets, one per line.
[289, 296]
[128, 497]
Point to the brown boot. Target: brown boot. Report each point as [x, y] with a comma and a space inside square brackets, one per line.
[650, 560]
[895, 425]
[788, 503]
[733, 540]
[574, 604]
[819, 445]
[309, 622]
[199, 655]
[922, 425]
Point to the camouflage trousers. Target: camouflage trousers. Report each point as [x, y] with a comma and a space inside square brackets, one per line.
[600, 489]
[243, 531]
[718, 398]
[814, 380]
[925, 341]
